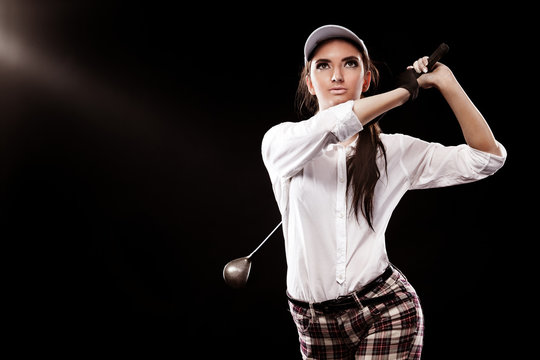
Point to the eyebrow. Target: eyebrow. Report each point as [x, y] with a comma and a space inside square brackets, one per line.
[350, 58]
[343, 60]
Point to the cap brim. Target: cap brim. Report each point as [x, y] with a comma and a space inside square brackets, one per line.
[327, 32]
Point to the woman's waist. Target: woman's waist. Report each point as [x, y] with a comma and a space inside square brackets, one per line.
[323, 284]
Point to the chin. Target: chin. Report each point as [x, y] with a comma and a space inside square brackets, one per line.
[338, 100]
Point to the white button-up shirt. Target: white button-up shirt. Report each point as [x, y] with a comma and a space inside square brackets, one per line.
[330, 252]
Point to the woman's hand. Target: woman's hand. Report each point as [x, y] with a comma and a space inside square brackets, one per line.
[439, 77]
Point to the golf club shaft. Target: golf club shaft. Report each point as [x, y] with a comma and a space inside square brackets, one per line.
[262, 243]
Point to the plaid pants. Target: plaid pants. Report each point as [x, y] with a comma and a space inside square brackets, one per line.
[391, 328]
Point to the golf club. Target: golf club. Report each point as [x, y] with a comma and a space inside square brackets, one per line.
[236, 272]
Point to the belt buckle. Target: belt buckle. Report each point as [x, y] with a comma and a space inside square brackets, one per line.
[344, 299]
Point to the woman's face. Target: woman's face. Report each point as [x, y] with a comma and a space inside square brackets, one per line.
[337, 74]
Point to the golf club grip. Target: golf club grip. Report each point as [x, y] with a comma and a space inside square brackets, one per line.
[436, 56]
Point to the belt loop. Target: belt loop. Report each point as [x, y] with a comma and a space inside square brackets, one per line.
[355, 296]
[312, 311]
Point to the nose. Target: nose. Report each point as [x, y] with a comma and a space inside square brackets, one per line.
[337, 76]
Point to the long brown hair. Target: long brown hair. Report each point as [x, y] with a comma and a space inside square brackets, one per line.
[363, 172]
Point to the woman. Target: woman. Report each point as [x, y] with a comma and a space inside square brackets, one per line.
[337, 180]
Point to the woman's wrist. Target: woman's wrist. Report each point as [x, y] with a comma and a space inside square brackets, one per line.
[446, 82]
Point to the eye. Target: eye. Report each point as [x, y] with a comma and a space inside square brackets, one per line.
[351, 63]
[322, 66]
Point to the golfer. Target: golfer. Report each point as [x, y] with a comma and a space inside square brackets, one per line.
[337, 179]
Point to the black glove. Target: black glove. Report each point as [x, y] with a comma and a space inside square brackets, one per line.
[407, 80]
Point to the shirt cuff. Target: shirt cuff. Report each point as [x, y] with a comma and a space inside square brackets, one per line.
[347, 124]
[491, 162]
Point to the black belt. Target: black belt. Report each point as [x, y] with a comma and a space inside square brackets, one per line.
[347, 301]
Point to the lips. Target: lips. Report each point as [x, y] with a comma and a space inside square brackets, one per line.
[338, 90]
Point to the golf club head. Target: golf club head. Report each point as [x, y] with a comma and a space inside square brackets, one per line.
[236, 272]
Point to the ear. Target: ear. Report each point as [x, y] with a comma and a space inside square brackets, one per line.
[367, 81]
[309, 84]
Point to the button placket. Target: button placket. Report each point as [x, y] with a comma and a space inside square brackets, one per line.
[341, 215]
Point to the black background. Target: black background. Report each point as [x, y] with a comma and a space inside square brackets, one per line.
[131, 174]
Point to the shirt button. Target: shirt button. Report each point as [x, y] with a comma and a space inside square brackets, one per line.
[340, 215]
[341, 180]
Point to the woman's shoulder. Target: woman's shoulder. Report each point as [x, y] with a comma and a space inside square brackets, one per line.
[397, 139]
[402, 143]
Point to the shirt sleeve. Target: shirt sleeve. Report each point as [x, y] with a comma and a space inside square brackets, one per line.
[431, 165]
[288, 147]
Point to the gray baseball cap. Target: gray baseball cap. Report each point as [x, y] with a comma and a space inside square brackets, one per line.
[330, 32]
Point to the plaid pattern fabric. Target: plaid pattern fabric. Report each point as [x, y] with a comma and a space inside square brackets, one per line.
[390, 329]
